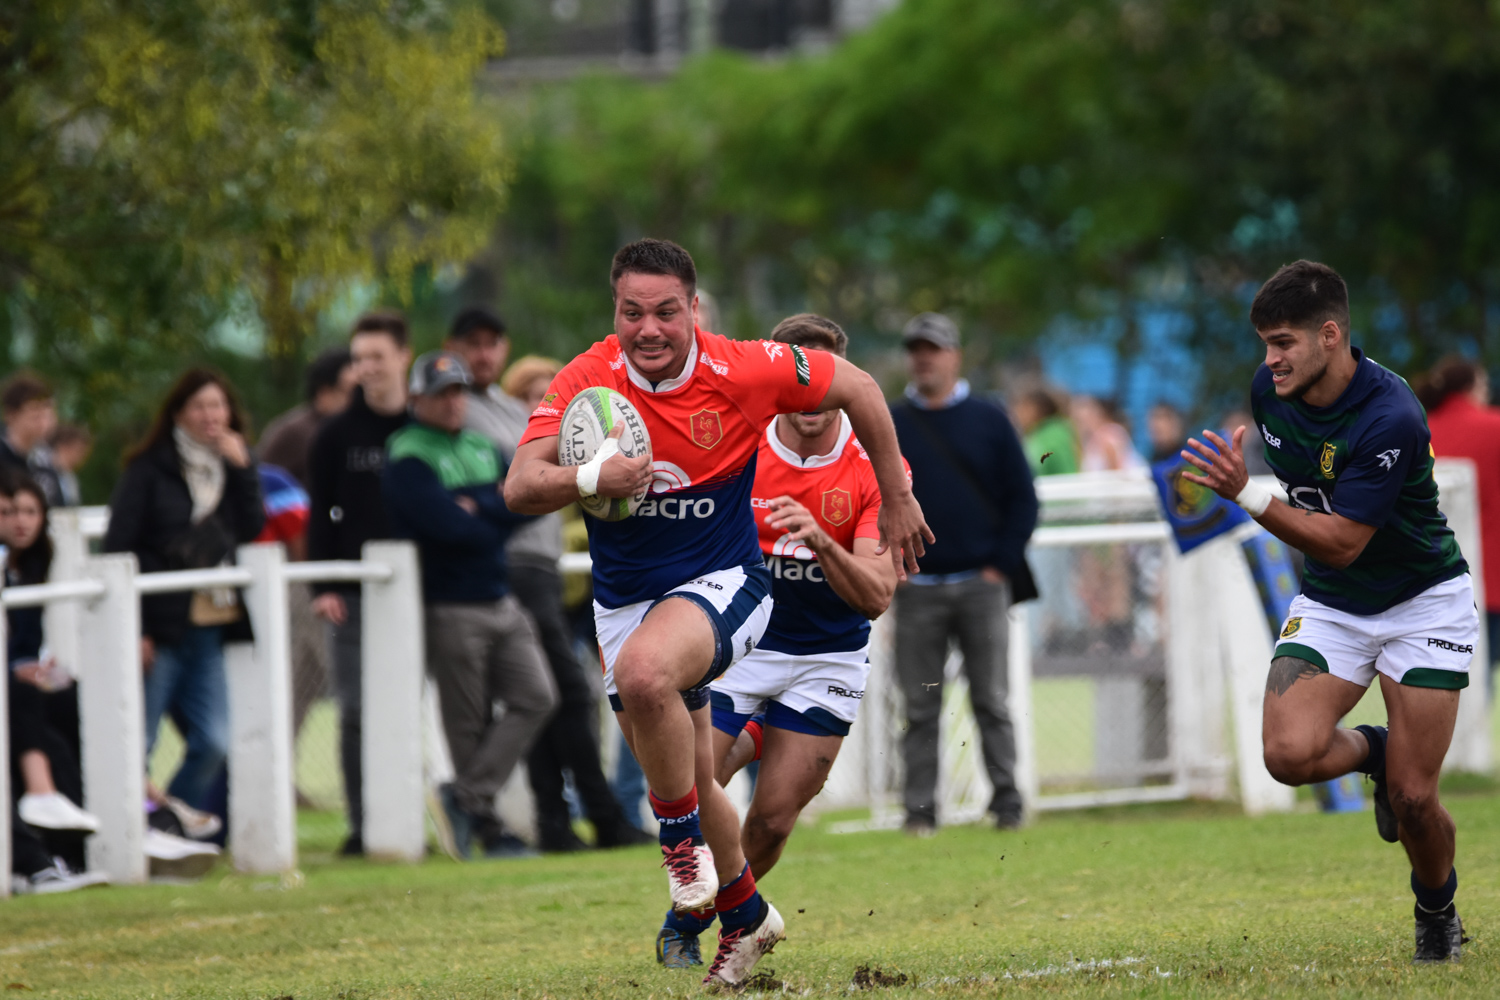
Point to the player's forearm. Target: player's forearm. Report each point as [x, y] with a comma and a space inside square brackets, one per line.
[871, 419]
[866, 585]
[540, 487]
[1330, 539]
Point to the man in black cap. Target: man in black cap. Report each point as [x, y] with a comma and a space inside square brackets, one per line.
[442, 489]
[967, 468]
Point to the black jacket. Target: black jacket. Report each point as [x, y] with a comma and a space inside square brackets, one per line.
[974, 484]
[343, 485]
[152, 509]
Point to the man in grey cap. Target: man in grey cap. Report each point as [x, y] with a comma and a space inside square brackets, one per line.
[442, 489]
[967, 468]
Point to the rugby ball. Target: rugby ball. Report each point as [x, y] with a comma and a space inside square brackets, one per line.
[587, 421]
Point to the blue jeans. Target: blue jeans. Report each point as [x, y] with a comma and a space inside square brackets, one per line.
[187, 680]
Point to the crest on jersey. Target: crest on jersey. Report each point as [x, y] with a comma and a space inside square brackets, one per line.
[705, 428]
[1325, 463]
[1293, 626]
[773, 349]
[838, 507]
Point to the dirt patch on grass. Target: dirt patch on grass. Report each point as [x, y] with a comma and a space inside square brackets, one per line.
[764, 982]
[868, 978]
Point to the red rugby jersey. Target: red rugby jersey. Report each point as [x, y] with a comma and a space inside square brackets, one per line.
[841, 492]
[705, 427]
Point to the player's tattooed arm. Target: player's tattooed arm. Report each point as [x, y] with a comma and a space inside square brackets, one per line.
[1288, 670]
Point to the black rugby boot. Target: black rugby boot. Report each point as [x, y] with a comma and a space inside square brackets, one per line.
[1440, 936]
[1385, 816]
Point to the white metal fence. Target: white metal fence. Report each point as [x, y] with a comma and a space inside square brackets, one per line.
[93, 625]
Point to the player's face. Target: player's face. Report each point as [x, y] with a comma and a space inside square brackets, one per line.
[654, 319]
[1298, 358]
[811, 425]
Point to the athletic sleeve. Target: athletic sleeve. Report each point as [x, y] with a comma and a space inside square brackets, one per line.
[781, 378]
[1368, 487]
[580, 373]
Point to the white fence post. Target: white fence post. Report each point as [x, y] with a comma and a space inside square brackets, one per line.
[61, 620]
[392, 649]
[262, 799]
[1459, 501]
[1018, 663]
[5, 845]
[112, 720]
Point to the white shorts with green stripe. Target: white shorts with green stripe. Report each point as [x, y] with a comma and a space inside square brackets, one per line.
[1427, 641]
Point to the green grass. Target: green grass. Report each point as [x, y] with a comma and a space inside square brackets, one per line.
[1186, 900]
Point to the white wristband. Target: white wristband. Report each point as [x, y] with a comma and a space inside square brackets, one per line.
[588, 472]
[1254, 498]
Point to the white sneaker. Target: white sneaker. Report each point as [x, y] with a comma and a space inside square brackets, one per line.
[175, 857]
[58, 878]
[54, 811]
[690, 869]
[740, 950]
[196, 823]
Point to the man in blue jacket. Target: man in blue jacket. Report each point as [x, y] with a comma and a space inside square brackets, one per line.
[967, 469]
[442, 489]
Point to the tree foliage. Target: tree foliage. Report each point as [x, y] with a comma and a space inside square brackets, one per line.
[1021, 161]
[162, 160]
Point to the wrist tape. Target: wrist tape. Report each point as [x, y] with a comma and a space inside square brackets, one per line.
[588, 472]
[1254, 498]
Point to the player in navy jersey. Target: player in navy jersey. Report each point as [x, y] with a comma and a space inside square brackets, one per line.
[681, 589]
[790, 702]
[1385, 592]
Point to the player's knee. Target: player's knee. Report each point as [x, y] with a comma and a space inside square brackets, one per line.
[770, 827]
[637, 681]
[1416, 807]
[1289, 761]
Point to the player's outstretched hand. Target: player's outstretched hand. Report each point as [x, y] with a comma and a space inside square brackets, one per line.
[1223, 470]
[622, 476]
[904, 532]
[798, 522]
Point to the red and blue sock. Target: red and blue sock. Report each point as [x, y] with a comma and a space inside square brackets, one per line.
[678, 818]
[756, 730]
[690, 924]
[739, 903]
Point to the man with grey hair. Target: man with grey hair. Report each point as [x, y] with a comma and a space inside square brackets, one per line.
[967, 468]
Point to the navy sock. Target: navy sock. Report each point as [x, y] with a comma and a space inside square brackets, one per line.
[1375, 762]
[739, 902]
[678, 818]
[689, 924]
[1435, 900]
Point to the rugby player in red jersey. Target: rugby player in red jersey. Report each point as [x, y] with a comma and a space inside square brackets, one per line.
[705, 400]
[791, 701]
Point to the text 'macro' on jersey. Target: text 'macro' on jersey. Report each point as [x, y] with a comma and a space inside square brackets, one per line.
[705, 426]
[1367, 457]
[840, 490]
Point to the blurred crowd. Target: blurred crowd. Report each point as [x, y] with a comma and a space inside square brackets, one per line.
[386, 446]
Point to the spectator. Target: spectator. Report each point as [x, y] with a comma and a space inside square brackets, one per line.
[30, 418]
[968, 469]
[1105, 443]
[43, 699]
[569, 742]
[347, 457]
[1464, 425]
[71, 445]
[442, 487]
[189, 496]
[1165, 429]
[329, 384]
[1050, 444]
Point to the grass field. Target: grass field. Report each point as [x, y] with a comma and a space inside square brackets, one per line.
[1189, 900]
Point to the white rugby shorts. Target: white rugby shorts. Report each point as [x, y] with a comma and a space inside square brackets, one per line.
[832, 683]
[737, 602]
[1427, 641]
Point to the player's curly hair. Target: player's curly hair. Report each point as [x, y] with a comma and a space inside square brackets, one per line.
[650, 256]
[812, 330]
[1303, 294]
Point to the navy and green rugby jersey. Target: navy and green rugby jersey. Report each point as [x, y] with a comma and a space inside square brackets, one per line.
[1368, 457]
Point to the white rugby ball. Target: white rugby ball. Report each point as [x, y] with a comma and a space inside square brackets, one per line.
[587, 421]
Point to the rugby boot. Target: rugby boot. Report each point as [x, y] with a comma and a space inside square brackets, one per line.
[740, 949]
[676, 950]
[1440, 936]
[1385, 817]
[690, 871]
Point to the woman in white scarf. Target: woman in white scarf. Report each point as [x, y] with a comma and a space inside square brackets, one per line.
[189, 496]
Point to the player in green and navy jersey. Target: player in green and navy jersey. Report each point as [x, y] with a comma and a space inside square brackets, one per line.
[1386, 590]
